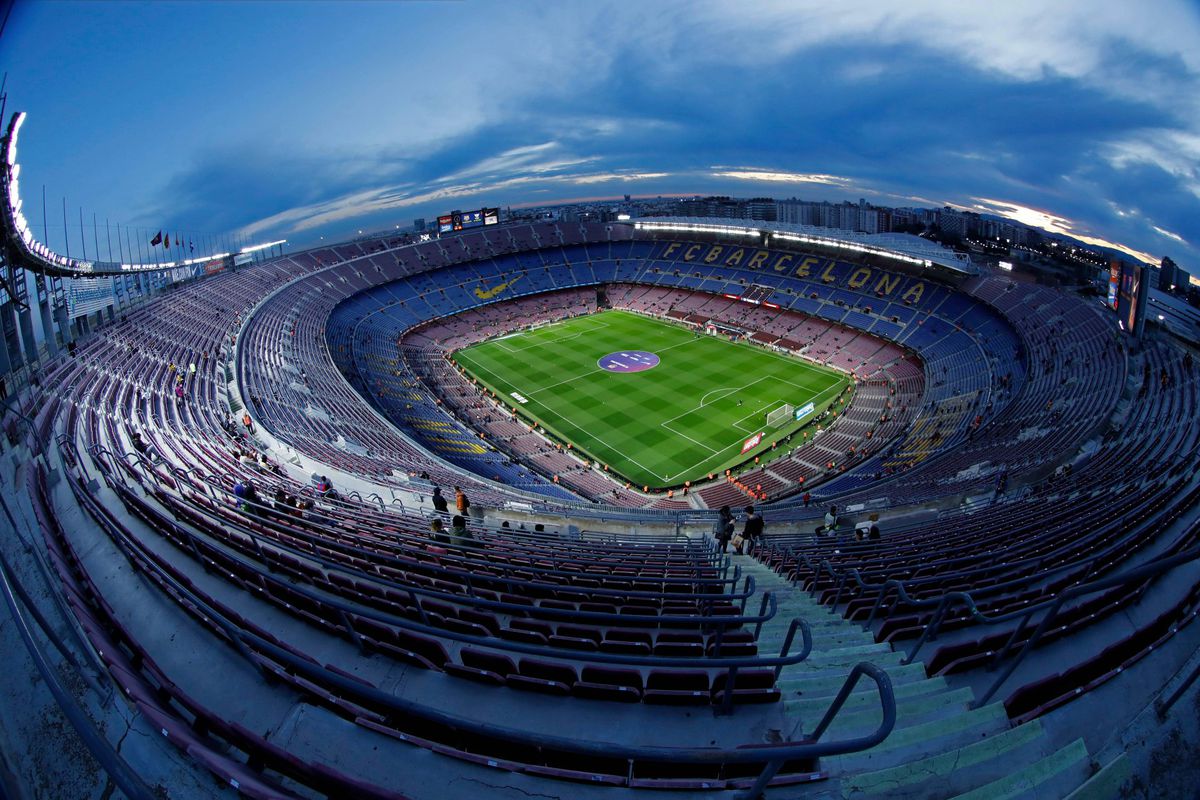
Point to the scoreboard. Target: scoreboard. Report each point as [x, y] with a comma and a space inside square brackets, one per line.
[1127, 295]
[465, 220]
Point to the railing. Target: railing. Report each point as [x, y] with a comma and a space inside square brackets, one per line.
[216, 490]
[1035, 563]
[775, 756]
[767, 611]
[966, 603]
[1145, 572]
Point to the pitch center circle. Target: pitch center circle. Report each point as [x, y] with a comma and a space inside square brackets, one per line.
[629, 361]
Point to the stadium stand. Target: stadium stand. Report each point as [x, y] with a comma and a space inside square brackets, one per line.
[576, 637]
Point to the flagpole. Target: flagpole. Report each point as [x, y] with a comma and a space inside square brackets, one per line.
[82, 238]
[66, 231]
[107, 233]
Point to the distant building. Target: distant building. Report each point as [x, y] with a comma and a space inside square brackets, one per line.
[1169, 279]
[419, 224]
[952, 222]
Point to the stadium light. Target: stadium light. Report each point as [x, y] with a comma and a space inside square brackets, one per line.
[853, 246]
[22, 234]
[257, 247]
[731, 230]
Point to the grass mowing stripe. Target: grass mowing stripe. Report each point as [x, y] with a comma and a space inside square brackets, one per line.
[677, 421]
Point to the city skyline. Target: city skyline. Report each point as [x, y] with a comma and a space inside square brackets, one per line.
[252, 118]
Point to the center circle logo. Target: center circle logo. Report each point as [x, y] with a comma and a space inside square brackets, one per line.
[628, 361]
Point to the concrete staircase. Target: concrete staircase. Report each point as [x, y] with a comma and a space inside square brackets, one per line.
[940, 748]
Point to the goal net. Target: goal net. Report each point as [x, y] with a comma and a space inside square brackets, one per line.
[780, 415]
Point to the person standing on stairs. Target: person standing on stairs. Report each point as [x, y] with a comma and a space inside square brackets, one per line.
[753, 530]
[723, 528]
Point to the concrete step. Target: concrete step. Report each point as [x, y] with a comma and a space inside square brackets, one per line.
[820, 660]
[823, 637]
[1107, 784]
[926, 739]
[1057, 775]
[827, 682]
[814, 616]
[953, 771]
[865, 717]
[917, 697]
[864, 695]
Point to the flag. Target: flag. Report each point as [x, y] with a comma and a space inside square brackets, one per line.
[157, 240]
[167, 241]
[191, 247]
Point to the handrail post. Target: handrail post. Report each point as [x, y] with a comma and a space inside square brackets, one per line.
[1016, 634]
[785, 649]
[1029, 643]
[762, 612]
[755, 792]
[879, 598]
[837, 597]
[930, 631]
[727, 701]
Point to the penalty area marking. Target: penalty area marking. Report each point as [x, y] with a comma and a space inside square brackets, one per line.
[704, 399]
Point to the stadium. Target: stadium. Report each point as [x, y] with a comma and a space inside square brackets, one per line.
[437, 514]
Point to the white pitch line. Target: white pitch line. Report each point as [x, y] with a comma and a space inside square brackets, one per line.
[690, 439]
[568, 380]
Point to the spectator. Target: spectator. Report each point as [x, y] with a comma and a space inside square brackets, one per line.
[438, 529]
[753, 530]
[723, 528]
[281, 505]
[249, 423]
[459, 534]
[831, 521]
[461, 502]
[439, 501]
[247, 497]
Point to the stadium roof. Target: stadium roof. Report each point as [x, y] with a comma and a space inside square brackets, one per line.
[899, 246]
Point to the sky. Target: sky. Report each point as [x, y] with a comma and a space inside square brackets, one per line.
[300, 120]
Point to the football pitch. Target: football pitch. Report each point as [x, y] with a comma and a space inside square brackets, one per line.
[652, 400]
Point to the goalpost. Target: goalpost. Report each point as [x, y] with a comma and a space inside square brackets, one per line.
[780, 415]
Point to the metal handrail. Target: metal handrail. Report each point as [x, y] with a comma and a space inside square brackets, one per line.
[748, 590]
[1146, 572]
[825, 565]
[774, 755]
[901, 589]
[215, 488]
[725, 663]
[887, 702]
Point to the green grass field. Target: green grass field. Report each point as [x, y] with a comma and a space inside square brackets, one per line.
[677, 421]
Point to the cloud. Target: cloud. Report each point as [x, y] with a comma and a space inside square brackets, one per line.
[1053, 223]
[1175, 152]
[1168, 234]
[528, 159]
[391, 198]
[1089, 110]
[772, 176]
[605, 177]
